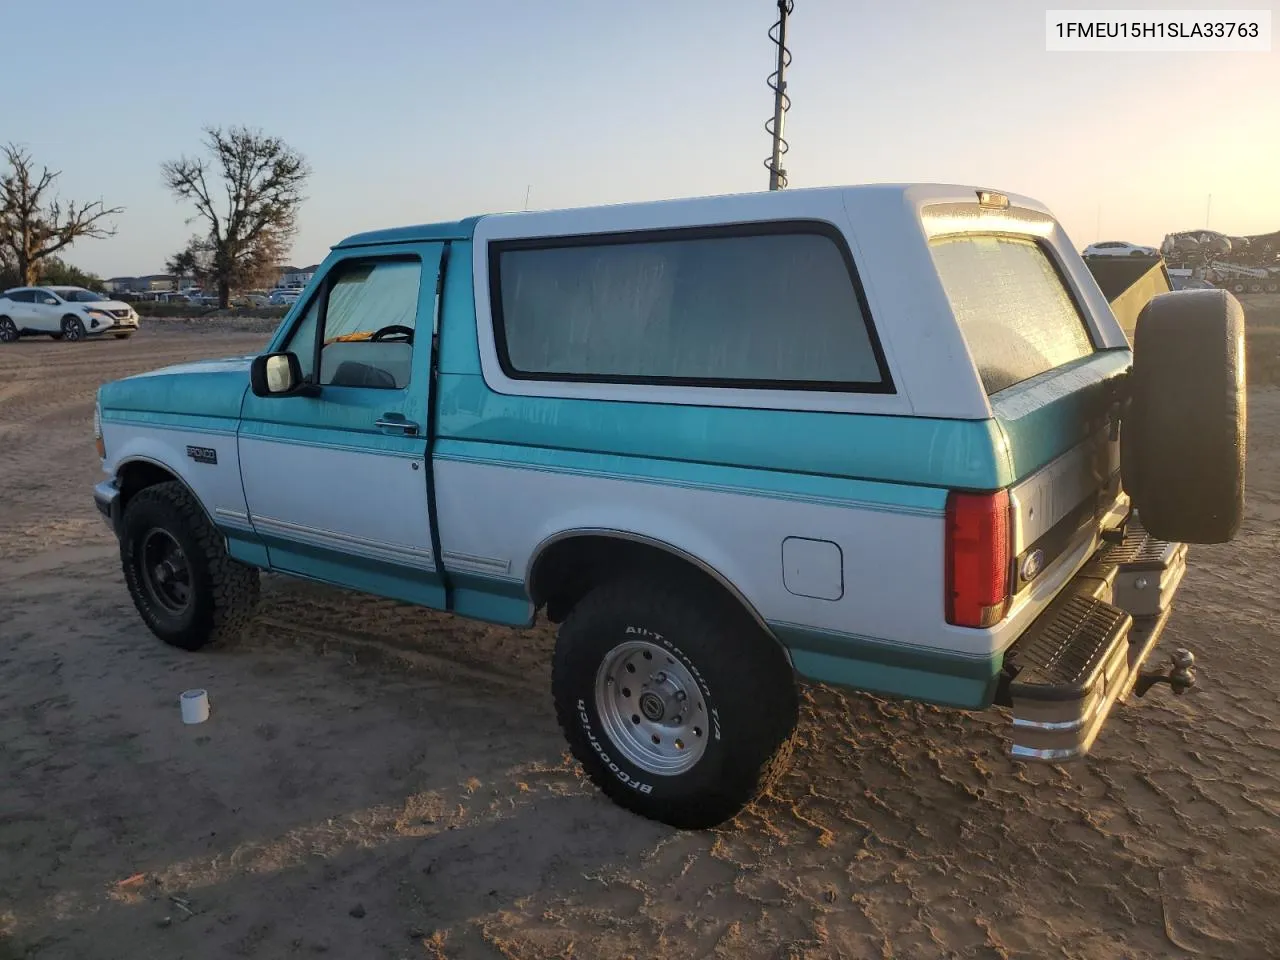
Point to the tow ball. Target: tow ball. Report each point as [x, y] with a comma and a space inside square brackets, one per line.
[1181, 676]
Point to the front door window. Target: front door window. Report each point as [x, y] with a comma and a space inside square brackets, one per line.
[370, 311]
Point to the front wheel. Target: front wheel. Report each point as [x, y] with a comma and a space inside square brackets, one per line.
[677, 705]
[185, 585]
[72, 329]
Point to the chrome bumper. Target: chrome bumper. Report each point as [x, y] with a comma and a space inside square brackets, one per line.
[1087, 651]
[106, 496]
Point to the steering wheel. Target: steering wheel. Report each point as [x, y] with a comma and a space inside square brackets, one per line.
[397, 330]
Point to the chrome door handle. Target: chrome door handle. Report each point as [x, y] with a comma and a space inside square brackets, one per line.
[405, 426]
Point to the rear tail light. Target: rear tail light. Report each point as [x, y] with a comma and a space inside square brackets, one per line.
[977, 548]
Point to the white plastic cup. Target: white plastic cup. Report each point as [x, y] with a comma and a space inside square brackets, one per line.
[195, 706]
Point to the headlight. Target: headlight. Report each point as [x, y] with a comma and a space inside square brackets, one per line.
[101, 314]
[97, 431]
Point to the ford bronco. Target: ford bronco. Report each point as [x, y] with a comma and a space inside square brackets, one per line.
[886, 437]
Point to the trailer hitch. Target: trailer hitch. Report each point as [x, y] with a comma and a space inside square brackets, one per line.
[1180, 678]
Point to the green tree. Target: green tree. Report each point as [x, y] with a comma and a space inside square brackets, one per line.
[193, 261]
[246, 234]
[56, 271]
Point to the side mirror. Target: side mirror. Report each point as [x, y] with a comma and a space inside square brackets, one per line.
[279, 375]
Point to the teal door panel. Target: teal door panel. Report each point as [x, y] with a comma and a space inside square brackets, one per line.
[337, 484]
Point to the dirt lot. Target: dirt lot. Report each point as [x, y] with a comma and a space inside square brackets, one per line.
[377, 781]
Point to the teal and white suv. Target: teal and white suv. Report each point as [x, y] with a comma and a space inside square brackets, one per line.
[886, 437]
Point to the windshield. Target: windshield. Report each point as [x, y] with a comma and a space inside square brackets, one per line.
[80, 295]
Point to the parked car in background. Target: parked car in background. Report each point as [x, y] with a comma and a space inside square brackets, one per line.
[283, 297]
[1190, 283]
[1119, 248]
[252, 300]
[63, 313]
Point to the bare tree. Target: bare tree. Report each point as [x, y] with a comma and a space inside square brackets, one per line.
[252, 222]
[34, 223]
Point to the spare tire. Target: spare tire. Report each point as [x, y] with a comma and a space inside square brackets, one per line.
[1182, 448]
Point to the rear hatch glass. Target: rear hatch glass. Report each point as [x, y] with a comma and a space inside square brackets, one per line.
[1020, 321]
[1014, 311]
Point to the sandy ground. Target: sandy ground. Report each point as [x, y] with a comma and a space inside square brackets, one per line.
[379, 781]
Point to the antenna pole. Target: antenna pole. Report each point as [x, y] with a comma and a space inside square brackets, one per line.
[781, 102]
[1207, 207]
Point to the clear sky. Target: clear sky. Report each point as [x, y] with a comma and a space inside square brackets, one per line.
[418, 110]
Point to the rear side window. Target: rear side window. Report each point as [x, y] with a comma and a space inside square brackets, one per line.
[1014, 311]
[722, 307]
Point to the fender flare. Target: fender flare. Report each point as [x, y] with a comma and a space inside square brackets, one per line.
[670, 549]
[174, 474]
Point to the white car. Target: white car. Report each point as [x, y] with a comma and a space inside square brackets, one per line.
[283, 297]
[64, 313]
[1119, 248]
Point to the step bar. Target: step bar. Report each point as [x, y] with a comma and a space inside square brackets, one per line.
[1086, 652]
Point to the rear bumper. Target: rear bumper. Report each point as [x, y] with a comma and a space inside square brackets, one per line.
[1085, 653]
[106, 497]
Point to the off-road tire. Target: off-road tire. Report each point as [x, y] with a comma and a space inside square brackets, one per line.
[1182, 448]
[8, 331]
[743, 677]
[224, 592]
[72, 329]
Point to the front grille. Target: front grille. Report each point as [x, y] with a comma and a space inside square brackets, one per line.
[119, 314]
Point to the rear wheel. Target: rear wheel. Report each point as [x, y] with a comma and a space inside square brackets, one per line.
[1183, 436]
[678, 706]
[72, 329]
[186, 587]
[8, 331]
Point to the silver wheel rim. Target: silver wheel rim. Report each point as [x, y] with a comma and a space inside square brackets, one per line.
[72, 331]
[8, 332]
[651, 708]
